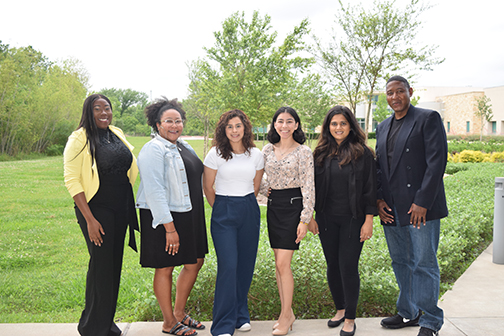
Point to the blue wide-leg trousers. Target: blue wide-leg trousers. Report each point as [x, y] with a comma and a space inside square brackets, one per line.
[235, 232]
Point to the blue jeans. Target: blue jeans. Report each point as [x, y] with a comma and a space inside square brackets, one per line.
[235, 232]
[413, 252]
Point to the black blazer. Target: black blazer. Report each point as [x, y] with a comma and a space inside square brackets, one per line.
[418, 164]
[361, 183]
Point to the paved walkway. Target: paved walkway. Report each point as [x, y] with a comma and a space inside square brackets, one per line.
[474, 307]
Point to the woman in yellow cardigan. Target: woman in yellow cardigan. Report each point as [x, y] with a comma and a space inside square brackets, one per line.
[100, 170]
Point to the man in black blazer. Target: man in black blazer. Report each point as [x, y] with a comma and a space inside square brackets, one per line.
[411, 153]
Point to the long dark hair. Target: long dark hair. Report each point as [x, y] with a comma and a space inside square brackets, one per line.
[350, 149]
[298, 134]
[154, 111]
[221, 142]
[88, 122]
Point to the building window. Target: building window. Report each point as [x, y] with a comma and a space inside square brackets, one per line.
[448, 127]
[468, 126]
[362, 123]
[494, 127]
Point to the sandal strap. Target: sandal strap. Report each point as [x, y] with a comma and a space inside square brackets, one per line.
[192, 322]
[178, 327]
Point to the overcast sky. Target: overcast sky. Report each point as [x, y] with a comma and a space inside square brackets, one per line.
[146, 45]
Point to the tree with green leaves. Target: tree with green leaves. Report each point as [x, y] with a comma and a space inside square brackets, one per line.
[375, 43]
[382, 110]
[312, 98]
[126, 99]
[128, 106]
[245, 70]
[40, 101]
[483, 111]
[201, 102]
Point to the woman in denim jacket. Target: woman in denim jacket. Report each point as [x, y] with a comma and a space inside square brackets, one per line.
[172, 216]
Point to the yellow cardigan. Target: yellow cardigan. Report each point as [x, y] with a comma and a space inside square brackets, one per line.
[80, 174]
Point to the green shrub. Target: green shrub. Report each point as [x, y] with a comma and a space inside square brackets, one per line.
[62, 131]
[452, 168]
[457, 146]
[54, 150]
[142, 130]
[467, 231]
[476, 137]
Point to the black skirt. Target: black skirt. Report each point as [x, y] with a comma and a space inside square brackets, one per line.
[284, 211]
[190, 226]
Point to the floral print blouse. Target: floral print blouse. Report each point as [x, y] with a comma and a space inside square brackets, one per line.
[292, 171]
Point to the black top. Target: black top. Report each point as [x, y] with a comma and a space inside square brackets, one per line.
[194, 171]
[361, 185]
[338, 192]
[112, 155]
[395, 127]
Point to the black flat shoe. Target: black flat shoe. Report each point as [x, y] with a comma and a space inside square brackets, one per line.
[334, 324]
[348, 333]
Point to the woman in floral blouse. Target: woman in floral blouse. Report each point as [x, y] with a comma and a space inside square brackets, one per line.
[289, 184]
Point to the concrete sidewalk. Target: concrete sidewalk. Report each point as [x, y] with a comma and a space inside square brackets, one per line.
[474, 307]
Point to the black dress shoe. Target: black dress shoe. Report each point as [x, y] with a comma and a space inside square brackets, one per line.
[348, 333]
[397, 321]
[334, 324]
[427, 332]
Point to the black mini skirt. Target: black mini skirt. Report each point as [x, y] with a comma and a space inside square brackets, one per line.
[283, 215]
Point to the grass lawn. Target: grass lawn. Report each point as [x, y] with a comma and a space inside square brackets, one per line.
[43, 256]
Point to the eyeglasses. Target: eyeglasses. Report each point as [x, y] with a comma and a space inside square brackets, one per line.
[170, 122]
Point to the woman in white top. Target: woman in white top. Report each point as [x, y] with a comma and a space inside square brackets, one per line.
[235, 166]
[289, 185]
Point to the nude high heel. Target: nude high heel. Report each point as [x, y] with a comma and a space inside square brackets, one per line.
[277, 331]
[277, 324]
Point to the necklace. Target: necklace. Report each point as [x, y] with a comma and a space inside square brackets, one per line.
[282, 154]
[108, 137]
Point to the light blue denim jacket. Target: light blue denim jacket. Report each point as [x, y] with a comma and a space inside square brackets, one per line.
[163, 180]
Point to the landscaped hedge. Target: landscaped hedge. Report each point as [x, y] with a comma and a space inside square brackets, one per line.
[466, 156]
[489, 146]
[465, 233]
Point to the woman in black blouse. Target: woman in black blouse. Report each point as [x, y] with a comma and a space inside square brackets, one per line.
[100, 170]
[345, 203]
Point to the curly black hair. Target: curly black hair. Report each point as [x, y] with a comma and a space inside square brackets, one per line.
[154, 111]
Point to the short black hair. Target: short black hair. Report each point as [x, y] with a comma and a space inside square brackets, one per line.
[399, 79]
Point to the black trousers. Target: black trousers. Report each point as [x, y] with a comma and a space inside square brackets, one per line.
[340, 239]
[109, 207]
